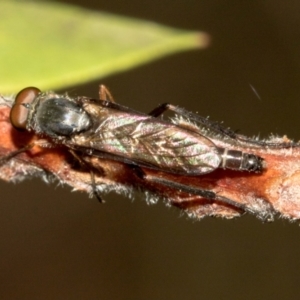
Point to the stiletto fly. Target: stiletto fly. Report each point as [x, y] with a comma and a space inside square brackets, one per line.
[105, 129]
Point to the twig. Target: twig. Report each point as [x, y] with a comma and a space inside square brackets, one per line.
[275, 191]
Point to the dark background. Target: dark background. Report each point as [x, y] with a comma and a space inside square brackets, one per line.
[61, 245]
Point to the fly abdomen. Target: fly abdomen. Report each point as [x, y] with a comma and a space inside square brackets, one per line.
[239, 160]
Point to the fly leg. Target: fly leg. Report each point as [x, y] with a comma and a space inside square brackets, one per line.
[105, 94]
[265, 216]
[199, 192]
[11, 155]
[159, 110]
[189, 189]
[93, 181]
[196, 191]
[6, 158]
[214, 126]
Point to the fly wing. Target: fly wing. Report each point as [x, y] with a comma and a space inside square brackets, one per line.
[154, 143]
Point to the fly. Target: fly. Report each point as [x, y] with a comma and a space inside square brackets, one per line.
[105, 129]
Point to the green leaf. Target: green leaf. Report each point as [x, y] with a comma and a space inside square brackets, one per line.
[51, 45]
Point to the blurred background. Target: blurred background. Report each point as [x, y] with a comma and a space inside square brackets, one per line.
[62, 245]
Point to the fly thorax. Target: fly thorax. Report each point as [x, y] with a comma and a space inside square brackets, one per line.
[57, 117]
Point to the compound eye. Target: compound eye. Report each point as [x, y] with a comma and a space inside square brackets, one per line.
[19, 112]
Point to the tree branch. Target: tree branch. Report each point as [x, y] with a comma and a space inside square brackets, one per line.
[275, 191]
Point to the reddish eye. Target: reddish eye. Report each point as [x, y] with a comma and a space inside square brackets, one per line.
[18, 112]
